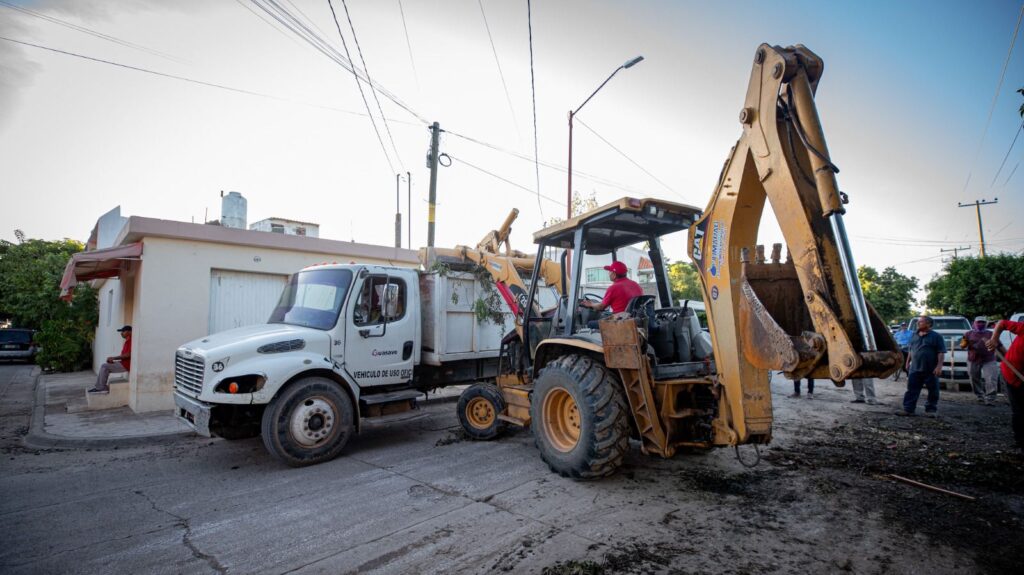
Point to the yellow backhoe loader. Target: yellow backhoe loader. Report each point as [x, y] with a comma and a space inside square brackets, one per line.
[651, 372]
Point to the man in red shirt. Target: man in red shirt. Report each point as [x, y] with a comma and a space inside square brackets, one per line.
[116, 363]
[1010, 370]
[619, 293]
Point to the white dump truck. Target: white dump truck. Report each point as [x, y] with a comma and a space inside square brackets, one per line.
[345, 342]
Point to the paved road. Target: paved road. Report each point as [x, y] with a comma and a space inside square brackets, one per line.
[413, 497]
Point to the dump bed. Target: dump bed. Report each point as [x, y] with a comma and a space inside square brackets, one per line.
[463, 317]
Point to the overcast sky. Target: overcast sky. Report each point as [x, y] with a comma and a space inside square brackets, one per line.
[905, 96]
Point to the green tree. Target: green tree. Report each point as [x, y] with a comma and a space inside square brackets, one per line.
[890, 292]
[30, 274]
[684, 281]
[990, 286]
[580, 204]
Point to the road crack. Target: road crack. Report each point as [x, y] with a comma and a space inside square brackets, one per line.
[185, 524]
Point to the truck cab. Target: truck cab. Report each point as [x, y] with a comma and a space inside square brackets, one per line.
[349, 335]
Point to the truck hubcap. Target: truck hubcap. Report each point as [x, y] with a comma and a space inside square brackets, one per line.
[313, 421]
[561, 420]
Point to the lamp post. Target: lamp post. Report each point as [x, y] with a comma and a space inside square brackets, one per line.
[572, 113]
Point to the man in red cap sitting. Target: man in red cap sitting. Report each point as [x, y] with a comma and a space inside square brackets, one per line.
[619, 293]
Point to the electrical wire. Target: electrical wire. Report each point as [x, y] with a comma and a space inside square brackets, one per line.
[267, 22]
[366, 70]
[506, 180]
[995, 97]
[295, 25]
[533, 97]
[631, 160]
[194, 81]
[1014, 171]
[408, 44]
[501, 74]
[91, 32]
[1005, 157]
[549, 165]
[359, 85]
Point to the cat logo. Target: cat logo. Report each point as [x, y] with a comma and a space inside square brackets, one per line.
[698, 240]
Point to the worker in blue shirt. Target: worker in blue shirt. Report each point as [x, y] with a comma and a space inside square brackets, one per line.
[903, 337]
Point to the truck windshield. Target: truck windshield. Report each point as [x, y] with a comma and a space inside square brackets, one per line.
[313, 298]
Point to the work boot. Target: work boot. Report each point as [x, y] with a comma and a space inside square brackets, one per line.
[857, 400]
[793, 395]
[902, 413]
[871, 401]
[98, 390]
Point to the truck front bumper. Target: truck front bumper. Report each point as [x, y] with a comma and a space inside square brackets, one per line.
[193, 413]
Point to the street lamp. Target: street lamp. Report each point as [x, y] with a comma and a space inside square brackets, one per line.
[572, 113]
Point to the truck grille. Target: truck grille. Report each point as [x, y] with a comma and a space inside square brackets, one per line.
[188, 373]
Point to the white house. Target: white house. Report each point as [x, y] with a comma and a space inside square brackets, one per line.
[176, 281]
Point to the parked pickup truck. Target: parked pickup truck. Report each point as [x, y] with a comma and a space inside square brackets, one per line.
[345, 343]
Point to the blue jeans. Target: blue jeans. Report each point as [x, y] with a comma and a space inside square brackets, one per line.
[915, 381]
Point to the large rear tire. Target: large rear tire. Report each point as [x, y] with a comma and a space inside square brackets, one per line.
[479, 407]
[309, 422]
[580, 418]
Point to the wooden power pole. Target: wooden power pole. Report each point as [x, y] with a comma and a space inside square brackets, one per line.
[977, 208]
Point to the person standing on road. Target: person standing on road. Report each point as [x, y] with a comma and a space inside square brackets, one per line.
[810, 388]
[924, 364]
[902, 337]
[864, 391]
[116, 363]
[1011, 372]
[982, 362]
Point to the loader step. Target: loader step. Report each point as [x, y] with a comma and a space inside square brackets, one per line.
[390, 397]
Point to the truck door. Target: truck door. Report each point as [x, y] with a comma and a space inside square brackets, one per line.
[380, 330]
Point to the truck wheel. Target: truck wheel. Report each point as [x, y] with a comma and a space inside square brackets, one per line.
[309, 422]
[479, 407]
[580, 418]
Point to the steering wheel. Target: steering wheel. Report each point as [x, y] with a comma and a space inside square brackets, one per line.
[592, 297]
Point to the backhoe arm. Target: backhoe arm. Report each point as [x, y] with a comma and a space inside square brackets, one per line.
[805, 316]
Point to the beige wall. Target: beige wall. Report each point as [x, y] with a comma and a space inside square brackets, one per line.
[115, 310]
[171, 303]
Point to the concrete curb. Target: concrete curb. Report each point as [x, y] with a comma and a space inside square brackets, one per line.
[38, 438]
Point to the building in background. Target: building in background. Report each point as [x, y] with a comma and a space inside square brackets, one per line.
[287, 227]
[177, 281]
[641, 270]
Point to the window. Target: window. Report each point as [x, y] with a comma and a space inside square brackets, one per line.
[596, 275]
[375, 290]
[313, 298]
[277, 228]
[646, 276]
[300, 231]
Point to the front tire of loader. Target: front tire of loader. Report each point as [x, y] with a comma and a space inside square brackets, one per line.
[309, 422]
[479, 407]
[580, 418]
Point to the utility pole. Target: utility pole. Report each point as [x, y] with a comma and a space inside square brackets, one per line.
[435, 136]
[977, 208]
[398, 211]
[408, 210]
[955, 251]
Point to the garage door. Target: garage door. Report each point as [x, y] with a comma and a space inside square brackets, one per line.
[239, 299]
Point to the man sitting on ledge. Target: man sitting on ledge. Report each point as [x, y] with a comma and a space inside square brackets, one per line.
[116, 363]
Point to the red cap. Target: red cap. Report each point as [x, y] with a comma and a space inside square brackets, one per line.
[617, 267]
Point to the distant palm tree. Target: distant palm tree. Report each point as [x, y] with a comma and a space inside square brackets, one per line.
[1021, 92]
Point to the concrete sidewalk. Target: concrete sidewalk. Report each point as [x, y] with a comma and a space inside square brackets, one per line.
[60, 418]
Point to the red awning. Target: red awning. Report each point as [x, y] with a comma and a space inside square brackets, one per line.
[645, 264]
[97, 264]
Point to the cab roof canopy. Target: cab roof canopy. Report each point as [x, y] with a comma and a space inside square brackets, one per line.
[624, 222]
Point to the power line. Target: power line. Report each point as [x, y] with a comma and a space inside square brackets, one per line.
[1014, 171]
[533, 97]
[366, 70]
[506, 180]
[267, 22]
[360, 86]
[501, 74]
[290, 21]
[631, 160]
[995, 97]
[408, 44]
[90, 32]
[549, 165]
[1010, 149]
